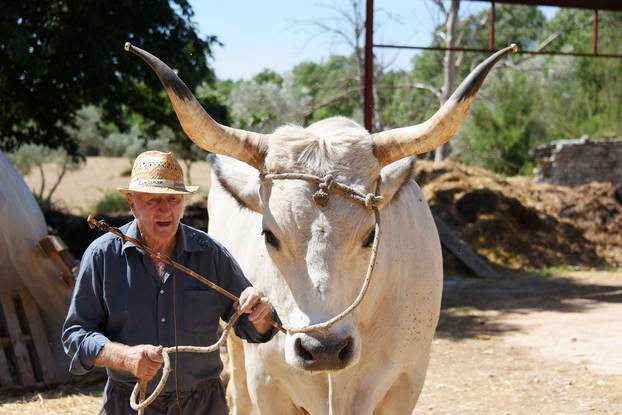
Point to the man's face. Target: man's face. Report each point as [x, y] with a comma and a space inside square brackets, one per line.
[157, 215]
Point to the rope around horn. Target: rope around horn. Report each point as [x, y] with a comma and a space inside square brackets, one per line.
[369, 200]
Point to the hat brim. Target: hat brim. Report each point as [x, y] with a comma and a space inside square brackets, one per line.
[186, 190]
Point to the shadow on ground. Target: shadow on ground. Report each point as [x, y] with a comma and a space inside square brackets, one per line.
[474, 307]
[86, 388]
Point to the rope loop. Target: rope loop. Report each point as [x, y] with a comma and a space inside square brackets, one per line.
[138, 402]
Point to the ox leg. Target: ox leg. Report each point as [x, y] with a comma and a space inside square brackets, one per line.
[268, 383]
[360, 391]
[237, 390]
[402, 395]
[269, 399]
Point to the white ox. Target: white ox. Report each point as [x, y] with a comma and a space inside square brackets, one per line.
[310, 260]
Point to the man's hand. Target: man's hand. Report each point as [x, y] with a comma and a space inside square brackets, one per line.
[142, 361]
[253, 303]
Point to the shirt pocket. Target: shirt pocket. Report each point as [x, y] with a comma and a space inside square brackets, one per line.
[201, 313]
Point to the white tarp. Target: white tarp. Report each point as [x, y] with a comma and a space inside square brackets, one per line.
[22, 264]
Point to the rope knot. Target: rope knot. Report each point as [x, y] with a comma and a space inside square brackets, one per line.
[370, 200]
[321, 195]
[328, 181]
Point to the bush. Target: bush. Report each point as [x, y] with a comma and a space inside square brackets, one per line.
[504, 129]
[111, 203]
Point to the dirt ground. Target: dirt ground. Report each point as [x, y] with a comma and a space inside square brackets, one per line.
[517, 344]
[528, 345]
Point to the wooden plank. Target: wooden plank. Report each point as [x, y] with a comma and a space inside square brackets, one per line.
[39, 337]
[463, 251]
[6, 380]
[24, 338]
[24, 364]
[54, 249]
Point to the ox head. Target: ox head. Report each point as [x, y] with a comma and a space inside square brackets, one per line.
[318, 253]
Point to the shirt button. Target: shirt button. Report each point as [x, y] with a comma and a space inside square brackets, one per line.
[163, 320]
[161, 291]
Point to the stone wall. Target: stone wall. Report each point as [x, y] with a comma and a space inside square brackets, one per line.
[575, 162]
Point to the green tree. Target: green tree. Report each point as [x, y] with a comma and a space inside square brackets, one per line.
[584, 93]
[504, 128]
[332, 85]
[87, 131]
[547, 97]
[267, 105]
[268, 76]
[57, 56]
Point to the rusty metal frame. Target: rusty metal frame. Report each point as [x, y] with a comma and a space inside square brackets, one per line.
[594, 5]
[368, 97]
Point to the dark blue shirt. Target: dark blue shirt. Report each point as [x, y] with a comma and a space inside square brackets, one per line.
[119, 297]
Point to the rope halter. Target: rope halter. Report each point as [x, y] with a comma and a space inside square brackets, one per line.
[369, 200]
[326, 184]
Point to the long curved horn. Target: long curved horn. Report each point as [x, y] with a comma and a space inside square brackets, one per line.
[392, 145]
[245, 146]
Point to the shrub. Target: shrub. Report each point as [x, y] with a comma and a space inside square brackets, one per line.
[111, 203]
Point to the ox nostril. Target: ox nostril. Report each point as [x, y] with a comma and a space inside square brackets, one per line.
[302, 352]
[346, 351]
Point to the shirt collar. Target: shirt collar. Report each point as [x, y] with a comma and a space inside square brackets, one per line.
[132, 232]
[186, 242]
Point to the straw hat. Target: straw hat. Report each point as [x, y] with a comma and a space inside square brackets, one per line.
[157, 172]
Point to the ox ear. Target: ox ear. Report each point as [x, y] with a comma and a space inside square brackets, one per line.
[238, 179]
[393, 177]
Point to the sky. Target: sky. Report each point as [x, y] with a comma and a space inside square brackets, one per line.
[274, 34]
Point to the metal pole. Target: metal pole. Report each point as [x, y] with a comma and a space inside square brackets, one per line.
[368, 101]
[491, 34]
[595, 34]
[522, 52]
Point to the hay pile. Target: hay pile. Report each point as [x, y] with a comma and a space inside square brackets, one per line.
[519, 223]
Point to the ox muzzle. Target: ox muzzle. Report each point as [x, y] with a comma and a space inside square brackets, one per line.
[319, 352]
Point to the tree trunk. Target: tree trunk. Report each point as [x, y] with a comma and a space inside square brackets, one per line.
[451, 25]
[42, 174]
[188, 164]
[48, 198]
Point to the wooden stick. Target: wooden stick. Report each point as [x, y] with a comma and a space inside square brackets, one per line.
[93, 223]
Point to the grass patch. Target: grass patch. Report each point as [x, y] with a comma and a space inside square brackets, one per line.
[557, 271]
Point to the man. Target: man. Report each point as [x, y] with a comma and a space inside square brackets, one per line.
[125, 303]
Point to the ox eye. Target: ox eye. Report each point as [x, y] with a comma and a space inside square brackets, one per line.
[369, 240]
[270, 238]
